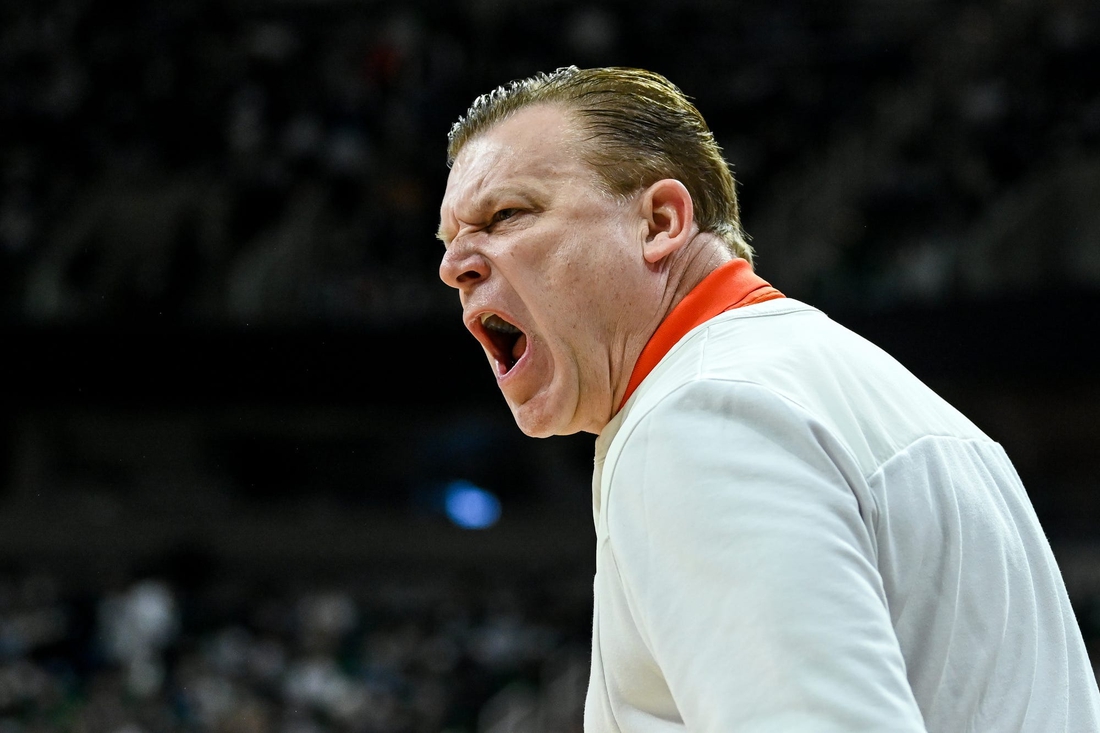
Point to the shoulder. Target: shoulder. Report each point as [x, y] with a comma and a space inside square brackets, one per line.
[783, 368]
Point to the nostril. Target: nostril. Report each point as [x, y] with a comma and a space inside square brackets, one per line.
[468, 276]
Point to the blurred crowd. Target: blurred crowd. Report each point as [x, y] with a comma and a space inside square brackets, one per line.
[242, 162]
[239, 162]
[150, 654]
[415, 652]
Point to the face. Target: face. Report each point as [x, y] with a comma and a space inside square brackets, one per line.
[549, 269]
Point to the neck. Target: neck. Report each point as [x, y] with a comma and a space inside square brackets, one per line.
[688, 267]
[679, 273]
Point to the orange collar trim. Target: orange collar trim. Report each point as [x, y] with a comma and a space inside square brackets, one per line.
[733, 285]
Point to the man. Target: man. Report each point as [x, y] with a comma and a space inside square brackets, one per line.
[793, 533]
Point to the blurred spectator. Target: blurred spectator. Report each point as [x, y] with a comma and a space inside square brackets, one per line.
[428, 657]
[231, 163]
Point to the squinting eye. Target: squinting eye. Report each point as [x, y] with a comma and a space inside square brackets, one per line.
[504, 214]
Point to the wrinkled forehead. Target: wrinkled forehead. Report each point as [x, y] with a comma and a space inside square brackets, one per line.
[530, 138]
[531, 127]
[536, 146]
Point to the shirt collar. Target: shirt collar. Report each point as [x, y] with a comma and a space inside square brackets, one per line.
[733, 285]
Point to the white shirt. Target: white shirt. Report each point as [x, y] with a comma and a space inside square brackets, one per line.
[795, 534]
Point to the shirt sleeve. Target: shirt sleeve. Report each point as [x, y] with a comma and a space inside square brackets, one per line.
[750, 570]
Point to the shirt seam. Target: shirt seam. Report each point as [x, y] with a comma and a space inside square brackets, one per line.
[920, 439]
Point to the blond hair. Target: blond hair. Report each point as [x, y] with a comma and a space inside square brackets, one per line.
[642, 129]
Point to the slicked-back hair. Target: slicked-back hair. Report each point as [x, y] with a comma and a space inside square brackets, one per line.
[639, 128]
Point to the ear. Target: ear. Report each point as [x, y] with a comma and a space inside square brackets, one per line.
[669, 216]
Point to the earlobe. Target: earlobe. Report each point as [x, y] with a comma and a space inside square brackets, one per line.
[669, 216]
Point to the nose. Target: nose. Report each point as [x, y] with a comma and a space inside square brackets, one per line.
[462, 265]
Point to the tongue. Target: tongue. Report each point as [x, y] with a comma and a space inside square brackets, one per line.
[519, 346]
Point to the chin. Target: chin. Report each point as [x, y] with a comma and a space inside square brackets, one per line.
[538, 423]
[535, 420]
[550, 411]
[535, 426]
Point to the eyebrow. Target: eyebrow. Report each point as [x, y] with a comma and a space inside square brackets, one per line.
[529, 197]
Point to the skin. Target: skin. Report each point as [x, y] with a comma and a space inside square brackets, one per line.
[531, 237]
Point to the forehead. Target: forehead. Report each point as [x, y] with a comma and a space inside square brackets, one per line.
[535, 149]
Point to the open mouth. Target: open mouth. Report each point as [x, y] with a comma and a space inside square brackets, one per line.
[505, 341]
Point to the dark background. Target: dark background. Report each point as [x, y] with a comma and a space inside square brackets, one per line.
[234, 389]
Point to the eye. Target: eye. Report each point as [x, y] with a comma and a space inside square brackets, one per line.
[503, 215]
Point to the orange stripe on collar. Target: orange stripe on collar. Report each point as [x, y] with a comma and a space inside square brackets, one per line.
[733, 285]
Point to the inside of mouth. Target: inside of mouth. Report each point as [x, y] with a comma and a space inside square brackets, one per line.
[508, 347]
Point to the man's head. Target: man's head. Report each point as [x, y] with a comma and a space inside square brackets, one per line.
[563, 276]
[638, 128]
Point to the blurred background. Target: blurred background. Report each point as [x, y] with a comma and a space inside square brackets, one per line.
[255, 474]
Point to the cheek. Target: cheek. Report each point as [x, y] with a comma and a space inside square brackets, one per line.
[571, 290]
